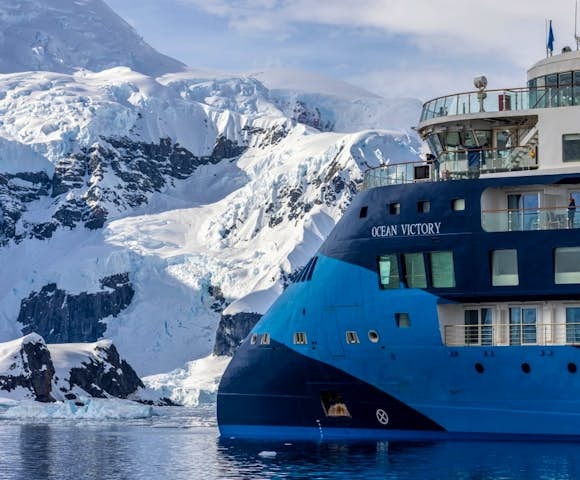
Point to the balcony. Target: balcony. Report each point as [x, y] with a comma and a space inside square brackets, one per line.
[496, 334]
[491, 101]
[528, 219]
[453, 165]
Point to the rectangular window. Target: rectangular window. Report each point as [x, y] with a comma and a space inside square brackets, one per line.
[352, 337]
[415, 270]
[402, 320]
[567, 265]
[523, 326]
[363, 212]
[394, 208]
[266, 339]
[573, 325]
[423, 206]
[389, 271]
[458, 204]
[471, 327]
[571, 147]
[300, 338]
[504, 268]
[442, 270]
[333, 404]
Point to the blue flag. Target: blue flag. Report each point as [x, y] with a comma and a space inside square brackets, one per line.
[551, 39]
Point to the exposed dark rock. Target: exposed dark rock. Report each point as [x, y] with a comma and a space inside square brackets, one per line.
[105, 373]
[232, 329]
[219, 302]
[61, 317]
[30, 368]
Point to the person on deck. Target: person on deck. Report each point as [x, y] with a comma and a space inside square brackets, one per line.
[571, 212]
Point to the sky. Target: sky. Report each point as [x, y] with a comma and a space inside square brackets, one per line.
[395, 48]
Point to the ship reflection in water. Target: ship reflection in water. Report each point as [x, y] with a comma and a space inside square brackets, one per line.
[183, 444]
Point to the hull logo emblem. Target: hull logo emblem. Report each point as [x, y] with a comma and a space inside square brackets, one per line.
[382, 416]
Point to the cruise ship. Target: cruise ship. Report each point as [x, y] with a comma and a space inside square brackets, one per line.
[445, 304]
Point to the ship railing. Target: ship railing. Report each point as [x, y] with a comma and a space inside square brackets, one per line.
[454, 165]
[528, 219]
[501, 100]
[501, 334]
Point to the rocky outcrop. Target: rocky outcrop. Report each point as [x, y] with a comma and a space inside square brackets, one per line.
[96, 369]
[26, 364]
[61, 317]
[29, 367]
[232, 329]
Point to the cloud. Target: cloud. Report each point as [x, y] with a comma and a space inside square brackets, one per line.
[510, 29]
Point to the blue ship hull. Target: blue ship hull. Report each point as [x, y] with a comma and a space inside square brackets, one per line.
[406, 385]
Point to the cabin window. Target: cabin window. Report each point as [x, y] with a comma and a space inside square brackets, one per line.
[389, 271]
[571, 147]
[363, 212]
[458, 204]
[523, 326]
[352, 337]
[265, 339]
[573, 325]
[254, 339]
[333, 404]
[423, 206]
[504, 268]
[394, 208]
[442, 270]
[300, 338]
[415, 270]
[402, 320]
[567, 265]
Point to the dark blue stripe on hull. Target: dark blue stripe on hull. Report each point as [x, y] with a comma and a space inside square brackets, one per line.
[278, 387]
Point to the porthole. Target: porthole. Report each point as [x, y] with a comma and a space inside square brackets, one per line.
[526, 367]
[572, 367]
[479, 367]
[373, 336]
[254, 339]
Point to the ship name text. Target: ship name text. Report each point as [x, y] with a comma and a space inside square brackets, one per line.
[406, 230]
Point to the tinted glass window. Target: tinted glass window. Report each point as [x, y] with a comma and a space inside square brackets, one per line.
[567, 265]
[504, 268]
[389, 271]
[442, 269]
[415, 270]
[573, 325]
[571, 147]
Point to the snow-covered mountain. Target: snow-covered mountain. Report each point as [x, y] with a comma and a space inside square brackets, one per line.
[138, 207]
[64, 35]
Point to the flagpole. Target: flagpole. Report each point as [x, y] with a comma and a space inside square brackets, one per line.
[546, 35]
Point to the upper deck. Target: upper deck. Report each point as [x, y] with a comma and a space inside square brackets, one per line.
[514, 131]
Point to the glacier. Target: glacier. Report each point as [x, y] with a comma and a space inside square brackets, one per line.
[205, 190]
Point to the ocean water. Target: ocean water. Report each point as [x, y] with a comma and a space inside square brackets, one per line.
[184, 444]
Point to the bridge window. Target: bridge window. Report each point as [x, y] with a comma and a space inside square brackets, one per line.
[389, 271]
[523, 326]
[571, 147]
[567, 265]
[415, 270]
[442, 271]
[504, 268]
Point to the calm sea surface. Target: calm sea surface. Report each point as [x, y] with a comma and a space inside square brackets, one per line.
[184, 444]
